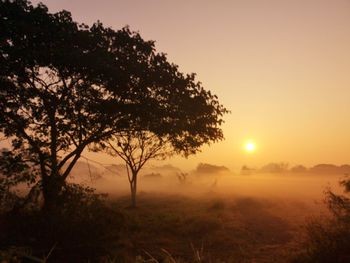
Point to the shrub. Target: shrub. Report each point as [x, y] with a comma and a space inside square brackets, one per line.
[82, 229]
[328, 238]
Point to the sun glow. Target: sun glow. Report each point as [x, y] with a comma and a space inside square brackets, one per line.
[250, 147]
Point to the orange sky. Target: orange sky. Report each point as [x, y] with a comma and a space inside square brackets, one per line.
[281, 66]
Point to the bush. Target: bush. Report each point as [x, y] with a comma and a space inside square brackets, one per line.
[328, 239]
[82, 229]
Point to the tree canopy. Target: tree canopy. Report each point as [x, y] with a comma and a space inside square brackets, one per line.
[65, 85]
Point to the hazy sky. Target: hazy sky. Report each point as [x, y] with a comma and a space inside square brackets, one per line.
[282, 67]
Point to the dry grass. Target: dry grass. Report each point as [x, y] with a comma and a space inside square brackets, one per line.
[206, 229]
[170, 228]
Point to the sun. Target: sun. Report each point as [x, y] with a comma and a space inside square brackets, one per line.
[250, 147]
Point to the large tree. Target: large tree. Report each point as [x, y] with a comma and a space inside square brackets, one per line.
[64, 86]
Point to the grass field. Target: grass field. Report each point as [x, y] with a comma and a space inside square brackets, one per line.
[255, 219]
[210, 228]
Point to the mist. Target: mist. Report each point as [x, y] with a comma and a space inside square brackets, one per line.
[300, 186]
[299, 194]
[96, 97]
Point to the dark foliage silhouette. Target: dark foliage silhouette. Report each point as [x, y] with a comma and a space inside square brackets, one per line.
[64, 86]
[328, 238]
[81, 230]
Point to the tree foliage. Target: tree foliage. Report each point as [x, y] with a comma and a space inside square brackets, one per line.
[14, 169]
[64, 86]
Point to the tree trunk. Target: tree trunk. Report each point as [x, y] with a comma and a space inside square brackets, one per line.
[133, 188]
[52, 186]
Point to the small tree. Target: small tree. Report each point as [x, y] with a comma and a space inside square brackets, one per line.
[136, 148]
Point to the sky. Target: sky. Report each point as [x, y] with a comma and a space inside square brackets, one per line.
[280, 66]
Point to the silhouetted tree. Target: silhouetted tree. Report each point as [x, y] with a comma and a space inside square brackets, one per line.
[206, 168]
[298, 169]
[64, 86]
[275, 168]
[136, 148]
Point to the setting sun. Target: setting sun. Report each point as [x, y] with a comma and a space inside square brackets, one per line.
[131, 133]
[250, 147]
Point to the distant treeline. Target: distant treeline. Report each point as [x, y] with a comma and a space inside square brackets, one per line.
[284, 167]
[209, 169]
